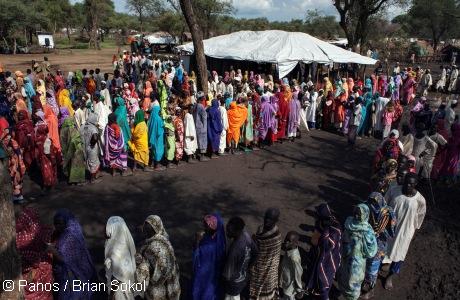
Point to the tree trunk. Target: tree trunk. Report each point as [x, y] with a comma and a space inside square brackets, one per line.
[10, 263]
[197, 37]
[14, 46]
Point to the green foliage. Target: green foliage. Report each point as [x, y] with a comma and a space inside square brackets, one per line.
[433, 20]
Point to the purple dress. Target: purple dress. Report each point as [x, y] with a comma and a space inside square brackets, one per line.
[214, 125]
[267, 118]
[294, 116]
[77, 263]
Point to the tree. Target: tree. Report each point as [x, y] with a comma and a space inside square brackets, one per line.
[142, 8]
[96, 12]
[325, 27]
[197, 37]
[10, 263]
[355, 14]
[432, 19]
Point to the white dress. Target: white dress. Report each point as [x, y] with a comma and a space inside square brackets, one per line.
[379, 109]
[427, 145]
[442, 81]
[311, 110]
[190, 142]
[223, 135]
[409, 213]
[303, 112]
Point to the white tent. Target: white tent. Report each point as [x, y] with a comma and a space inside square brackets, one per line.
[286, 49]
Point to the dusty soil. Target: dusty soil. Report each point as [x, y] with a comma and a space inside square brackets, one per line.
[292, 176]
[65, 60]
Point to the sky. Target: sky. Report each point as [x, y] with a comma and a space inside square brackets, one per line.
[274, 10]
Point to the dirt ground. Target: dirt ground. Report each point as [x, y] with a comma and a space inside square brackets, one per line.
[65, 60]
[293, 176]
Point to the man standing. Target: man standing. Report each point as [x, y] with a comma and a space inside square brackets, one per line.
[427, 82]
[410, 208]
[240, 254]
[264, 272]
[201, 125]
[223, 135]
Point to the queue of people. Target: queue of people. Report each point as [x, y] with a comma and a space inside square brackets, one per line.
[151, 115]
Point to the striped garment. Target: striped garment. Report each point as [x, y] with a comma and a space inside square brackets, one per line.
[115, 155]
[263, 283]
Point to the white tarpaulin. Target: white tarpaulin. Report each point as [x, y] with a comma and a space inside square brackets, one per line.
[286, 49]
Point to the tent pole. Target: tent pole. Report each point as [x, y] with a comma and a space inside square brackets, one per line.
[317, 76]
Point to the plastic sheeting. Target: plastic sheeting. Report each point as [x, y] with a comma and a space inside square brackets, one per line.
[286, 49]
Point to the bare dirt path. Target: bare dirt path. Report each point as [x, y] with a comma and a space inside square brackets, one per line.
[291, 176]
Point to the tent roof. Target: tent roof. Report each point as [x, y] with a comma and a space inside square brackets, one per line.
[286, 49]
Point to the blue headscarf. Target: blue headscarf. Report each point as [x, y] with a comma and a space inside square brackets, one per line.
[360, 228]
[122, 119]
[156, 133]
[214, 125]
[30, 93]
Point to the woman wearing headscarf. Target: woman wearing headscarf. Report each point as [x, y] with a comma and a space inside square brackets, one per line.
[366, 113]
[120, 265]
[248, 128]
[115, 156]
[170, 139]
[237, 116]
[214, 126]
[73, 156]
[327, 86]
[267, 118]
[156, 263]
[71, 258]
[51, 101]
[90, 136]
[208, 259]
[147, 100]
[41, 91]
[383, 221]
[294, 116]
[16, 166]
[53, 127]
[408, 89]
[162, 97]
[284, 97]
[45, 153]
[36, 263]
[359, 244]
[328, 111]
[325, 255]
[156, 137]
[24, 134]
[30, 93]
[179, 135]
[139, 142]
[64, 101]
[122, 119]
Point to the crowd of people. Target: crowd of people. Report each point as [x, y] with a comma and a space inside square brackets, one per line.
[151, 114]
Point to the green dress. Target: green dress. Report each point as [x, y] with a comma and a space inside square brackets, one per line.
[170, 146]
[249, 127]
[72, 152]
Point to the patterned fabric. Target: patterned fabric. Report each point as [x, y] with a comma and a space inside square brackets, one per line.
[72, 151]
[263, 283]
[383, 221]
[115, 155]
[158, 267]
[31, 239]
[325, 257]
[179, 131]
[359, 244]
